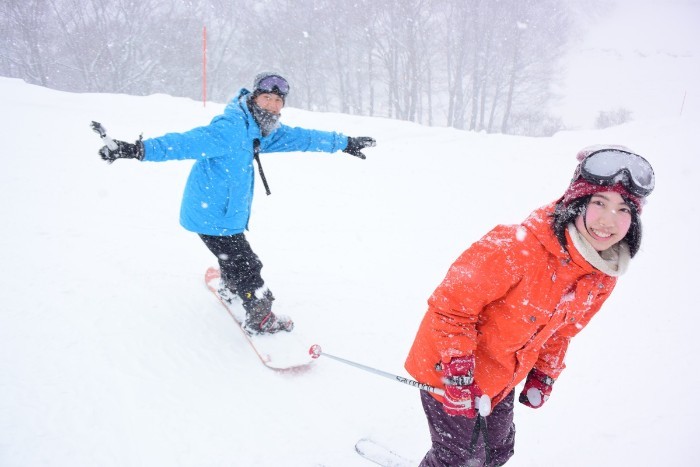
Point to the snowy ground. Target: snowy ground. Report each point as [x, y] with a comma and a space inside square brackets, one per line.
[113, 353]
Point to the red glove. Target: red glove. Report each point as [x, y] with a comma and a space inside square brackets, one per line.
[461, 392]
[538, 387]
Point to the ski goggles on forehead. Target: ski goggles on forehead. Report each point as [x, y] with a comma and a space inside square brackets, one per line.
[610, 166]
[273, 83]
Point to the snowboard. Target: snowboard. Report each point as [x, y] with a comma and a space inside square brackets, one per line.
[381, 455]
[282, 351]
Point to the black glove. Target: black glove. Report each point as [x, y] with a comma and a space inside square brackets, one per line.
[123, 151]
[356, 144]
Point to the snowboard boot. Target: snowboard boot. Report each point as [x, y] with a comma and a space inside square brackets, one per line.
[259, 318]
[227, 294]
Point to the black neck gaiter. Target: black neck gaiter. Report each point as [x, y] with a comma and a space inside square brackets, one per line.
[267, 121]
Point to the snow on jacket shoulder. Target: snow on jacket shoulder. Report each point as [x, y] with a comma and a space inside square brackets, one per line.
[219, 190]
[514, 299]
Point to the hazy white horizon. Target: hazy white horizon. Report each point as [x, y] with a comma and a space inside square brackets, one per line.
[642, 55]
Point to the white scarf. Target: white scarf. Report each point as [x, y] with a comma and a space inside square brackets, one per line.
[613, 261]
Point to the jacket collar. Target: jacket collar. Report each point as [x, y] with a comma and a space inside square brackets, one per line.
[613, 261]
[238, 108]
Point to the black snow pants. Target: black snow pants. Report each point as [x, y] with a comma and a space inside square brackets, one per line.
[240, 266]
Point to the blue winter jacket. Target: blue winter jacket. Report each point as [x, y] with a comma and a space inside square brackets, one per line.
[219, 190]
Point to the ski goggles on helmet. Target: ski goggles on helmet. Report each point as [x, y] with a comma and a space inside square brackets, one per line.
[610, 166]
[273, 83]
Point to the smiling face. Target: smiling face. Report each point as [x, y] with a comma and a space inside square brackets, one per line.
[270, 101]
[607, 220]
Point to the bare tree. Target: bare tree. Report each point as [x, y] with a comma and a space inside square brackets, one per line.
[26, 50]
[483, 65]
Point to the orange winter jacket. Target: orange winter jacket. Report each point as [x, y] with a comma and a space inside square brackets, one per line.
[514, 299]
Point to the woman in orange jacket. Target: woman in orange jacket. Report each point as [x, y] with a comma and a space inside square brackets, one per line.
[513, 300]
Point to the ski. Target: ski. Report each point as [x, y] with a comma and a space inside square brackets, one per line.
[380, 455]
[282, 351]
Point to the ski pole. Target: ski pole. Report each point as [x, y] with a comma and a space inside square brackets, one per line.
[315, 352]
[100, 130]
[482, 403]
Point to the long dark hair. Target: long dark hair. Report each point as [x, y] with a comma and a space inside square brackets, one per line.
[564, 215]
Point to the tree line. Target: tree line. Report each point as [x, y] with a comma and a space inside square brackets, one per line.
[480, 65]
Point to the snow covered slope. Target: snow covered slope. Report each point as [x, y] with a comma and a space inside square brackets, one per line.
[113, 353]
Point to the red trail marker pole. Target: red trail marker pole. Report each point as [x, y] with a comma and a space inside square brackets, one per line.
[204, 66]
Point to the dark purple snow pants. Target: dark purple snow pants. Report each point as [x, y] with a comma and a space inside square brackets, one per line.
[452, 436]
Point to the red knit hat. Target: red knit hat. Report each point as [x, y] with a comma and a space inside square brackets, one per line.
[579, 187]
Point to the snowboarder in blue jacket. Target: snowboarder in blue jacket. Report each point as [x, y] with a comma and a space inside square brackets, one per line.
[219, 191]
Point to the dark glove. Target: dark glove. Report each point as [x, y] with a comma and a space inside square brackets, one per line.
[538, 387]
[123, 151]
[461, 392]
[356, 144]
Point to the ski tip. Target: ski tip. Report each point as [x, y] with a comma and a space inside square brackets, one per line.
[380, 454]
[315, 351]
[212, 273]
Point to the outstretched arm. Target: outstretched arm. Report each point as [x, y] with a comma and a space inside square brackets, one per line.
[218, 138]
[287, 139]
